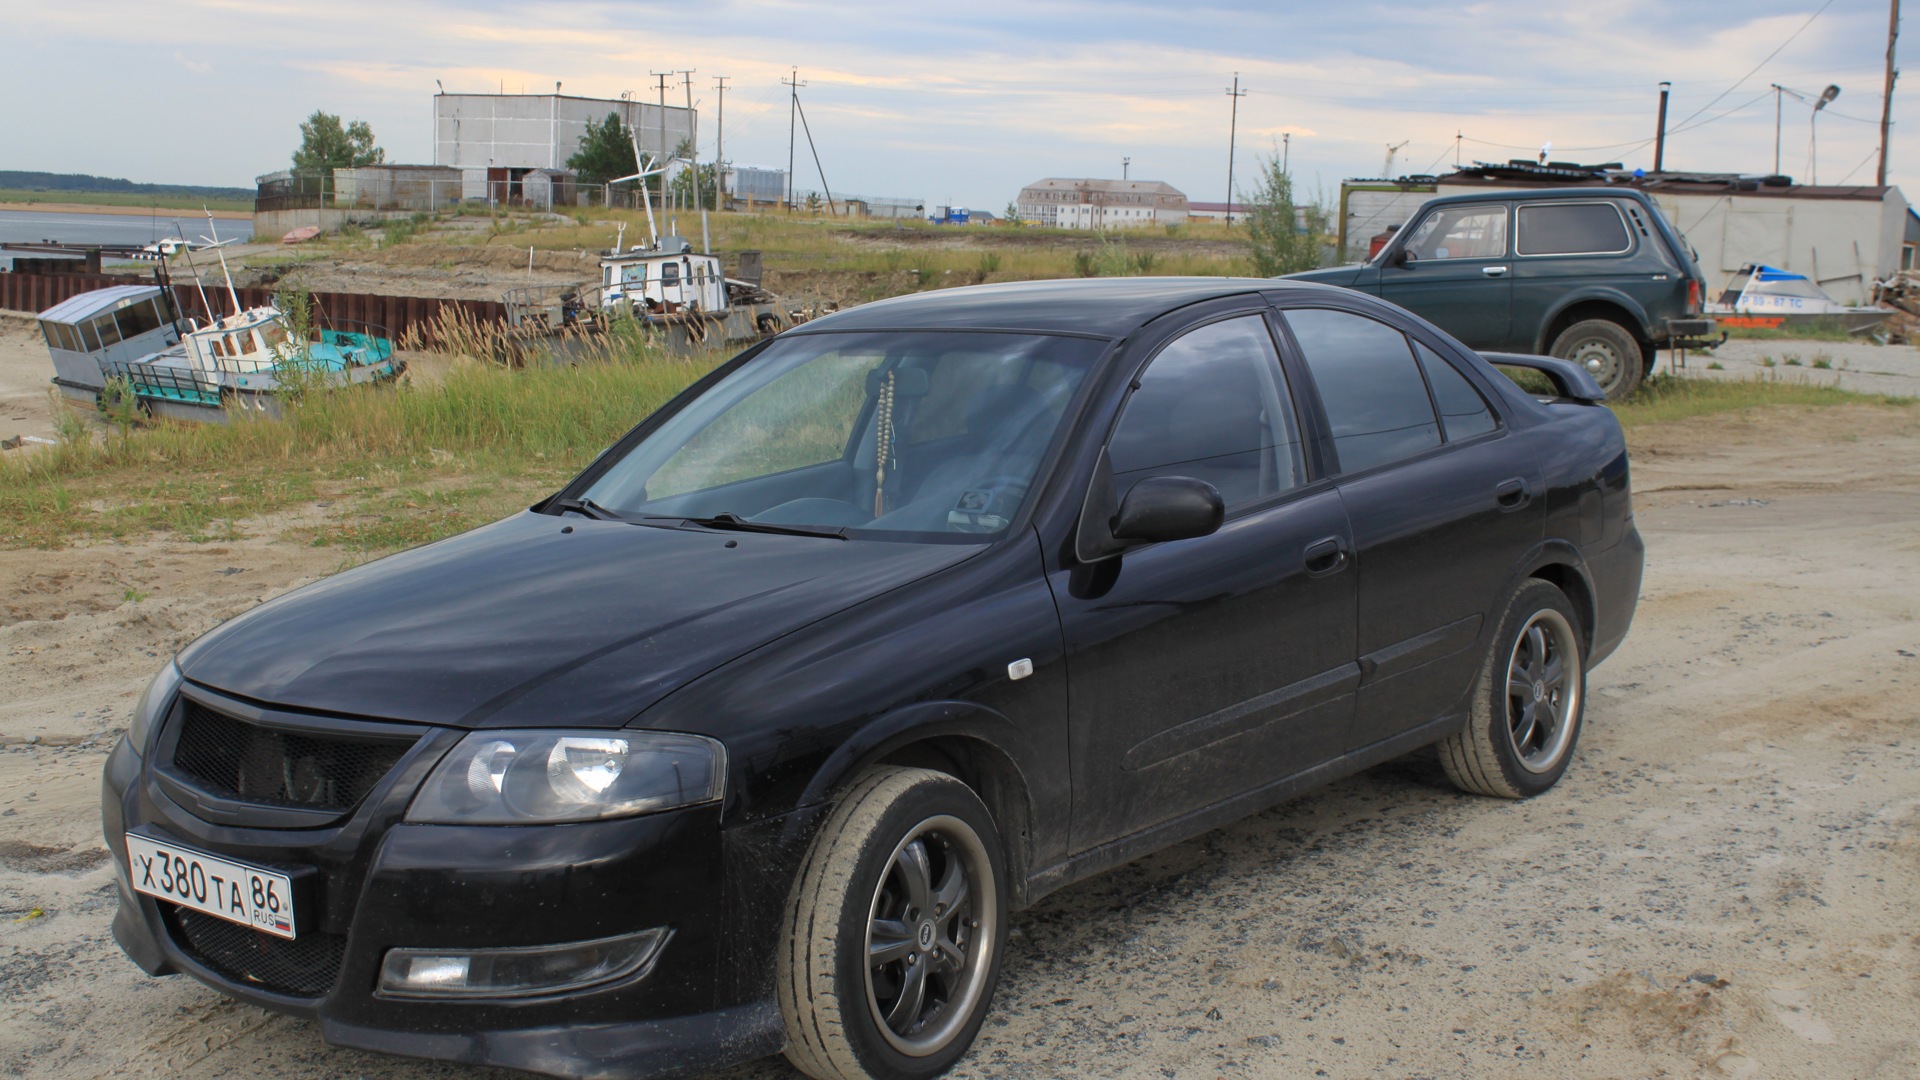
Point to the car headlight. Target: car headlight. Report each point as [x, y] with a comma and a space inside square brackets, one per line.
[527, 777]
[152, 706]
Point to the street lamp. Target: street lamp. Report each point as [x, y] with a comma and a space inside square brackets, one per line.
[1826, 98]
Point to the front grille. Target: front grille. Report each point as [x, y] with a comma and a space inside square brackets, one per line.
[307, 966]
[277, 768]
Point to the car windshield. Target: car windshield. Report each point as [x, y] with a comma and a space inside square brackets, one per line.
[928, 436]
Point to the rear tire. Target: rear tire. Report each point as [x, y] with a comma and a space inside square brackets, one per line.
[1608, 351]
[1528, 703]
[908, 871]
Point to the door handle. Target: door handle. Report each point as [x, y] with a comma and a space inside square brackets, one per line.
[1325, 557]
[1494, 271]
[1513, 494]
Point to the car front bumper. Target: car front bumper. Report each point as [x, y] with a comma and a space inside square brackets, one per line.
[372, 883]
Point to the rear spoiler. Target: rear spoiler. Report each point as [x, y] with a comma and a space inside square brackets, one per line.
[1572, 380]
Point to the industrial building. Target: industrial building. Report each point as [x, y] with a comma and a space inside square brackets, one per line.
[1842, 237]
[541, 131]
[1066, 203]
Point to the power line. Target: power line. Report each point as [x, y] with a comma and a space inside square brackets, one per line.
[1776, 52]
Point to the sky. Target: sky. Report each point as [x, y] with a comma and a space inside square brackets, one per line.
[962, 104]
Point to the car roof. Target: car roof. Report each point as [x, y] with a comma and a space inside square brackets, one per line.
[1103, 307]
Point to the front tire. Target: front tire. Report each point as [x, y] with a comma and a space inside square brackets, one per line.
[894, 931]
[1528, 702]
[1609, 353]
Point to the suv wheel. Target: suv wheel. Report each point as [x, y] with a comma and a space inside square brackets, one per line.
[1608, 352]
[894, 931]
[1528, 703]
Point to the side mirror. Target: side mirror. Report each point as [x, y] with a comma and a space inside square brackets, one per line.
[1162, 508]
[1400, 257]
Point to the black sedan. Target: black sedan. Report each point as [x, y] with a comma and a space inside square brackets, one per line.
[749, 738]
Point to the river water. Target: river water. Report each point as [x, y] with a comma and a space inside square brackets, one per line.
[33, 226]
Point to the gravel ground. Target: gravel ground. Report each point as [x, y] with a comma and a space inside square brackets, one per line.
[1722, 886]
[1860, 366]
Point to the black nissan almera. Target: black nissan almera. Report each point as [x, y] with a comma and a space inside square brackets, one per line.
[749, 739]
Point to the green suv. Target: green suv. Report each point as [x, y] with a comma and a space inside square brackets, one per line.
[1593, 275]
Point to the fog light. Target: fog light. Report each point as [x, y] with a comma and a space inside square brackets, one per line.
[518, 972]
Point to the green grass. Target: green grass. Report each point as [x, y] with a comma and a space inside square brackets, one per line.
[482, 441]
[117, 198]
[1665, 398]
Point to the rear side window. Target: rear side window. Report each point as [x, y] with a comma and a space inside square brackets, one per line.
[1572, 229]
[1370, 386]
[1463, 412]
[1212, 406]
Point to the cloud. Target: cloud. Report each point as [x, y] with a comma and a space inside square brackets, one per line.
[198, 67]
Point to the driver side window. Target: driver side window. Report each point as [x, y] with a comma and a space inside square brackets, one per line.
[1213, 405]
[1465, 232]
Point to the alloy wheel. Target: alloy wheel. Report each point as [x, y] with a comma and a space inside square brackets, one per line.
[1543, 690]
[930, 936]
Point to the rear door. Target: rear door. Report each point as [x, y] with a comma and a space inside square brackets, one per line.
[1204, 668]
[1571, 247]
[1456, 273]
[1444, 501]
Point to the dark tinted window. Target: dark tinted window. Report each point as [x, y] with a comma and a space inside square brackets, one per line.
[1213, 406]
[107, 330]
[1572, 229]
[1462, 411]
[1375, 399]
[137, 319]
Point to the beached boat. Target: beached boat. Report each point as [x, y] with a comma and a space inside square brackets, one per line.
[1767, 297]
[250, 361]
[89, 333]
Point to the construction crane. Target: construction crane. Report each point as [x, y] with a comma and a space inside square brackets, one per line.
[1386, 170]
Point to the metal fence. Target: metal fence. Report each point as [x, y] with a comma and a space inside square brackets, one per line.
[410, 318]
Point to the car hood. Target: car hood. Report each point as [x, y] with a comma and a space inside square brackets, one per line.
[542, 621]
[1343, 276]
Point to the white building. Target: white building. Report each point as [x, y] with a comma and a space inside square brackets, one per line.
[1067, 203]
[541, 131]
[1842, 237]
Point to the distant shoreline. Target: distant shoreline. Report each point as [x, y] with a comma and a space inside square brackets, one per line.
[122, 211]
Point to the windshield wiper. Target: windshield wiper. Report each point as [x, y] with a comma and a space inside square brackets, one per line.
[584, 505]
[729, 520]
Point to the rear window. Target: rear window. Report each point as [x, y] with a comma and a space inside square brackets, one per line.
[1572, 229]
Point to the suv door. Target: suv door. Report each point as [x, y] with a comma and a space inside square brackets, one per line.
[1452, 270]
[1568, 247]
[1200, 669]
[1444, 500]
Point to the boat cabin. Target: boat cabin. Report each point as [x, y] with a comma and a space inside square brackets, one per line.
[666, 278]
[249, 343]
[88, 334]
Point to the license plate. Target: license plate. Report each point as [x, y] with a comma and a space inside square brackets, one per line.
[236, 892]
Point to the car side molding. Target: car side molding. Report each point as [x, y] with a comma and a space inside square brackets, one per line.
[1573, 381]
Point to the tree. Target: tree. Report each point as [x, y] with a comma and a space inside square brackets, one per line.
[1285, 239]
[1012, 213]
[683, 180]
[606, 152]
[325, 145]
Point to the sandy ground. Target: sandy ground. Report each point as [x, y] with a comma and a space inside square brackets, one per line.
[26, 374]
[1721, 887]
[1860, 366]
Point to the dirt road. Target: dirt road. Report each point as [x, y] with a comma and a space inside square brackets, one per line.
[1721, 887]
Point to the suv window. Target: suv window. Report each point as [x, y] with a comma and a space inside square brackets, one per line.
[1369, 384]
[1214, 406]
[1461, 232]
[1594, 228]
[1463, 412]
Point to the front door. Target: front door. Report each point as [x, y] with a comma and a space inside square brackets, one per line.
[1201, 669]
[1456, 273]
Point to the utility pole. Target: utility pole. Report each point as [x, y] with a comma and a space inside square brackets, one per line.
[1886, 96]
[1457, 136]
[793, 86]
[693, 133]
[1233, 131]
[1777, 88]
[1125, 164]
[1286, 152]
[662, 76]
[1660, 134]
[719, 137]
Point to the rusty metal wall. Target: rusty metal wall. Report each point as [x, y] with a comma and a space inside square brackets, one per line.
[403, 316]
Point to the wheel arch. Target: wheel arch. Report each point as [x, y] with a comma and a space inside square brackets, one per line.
[1612, 306]
[973, 744]
[1559, 564]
